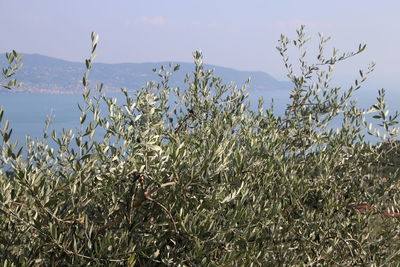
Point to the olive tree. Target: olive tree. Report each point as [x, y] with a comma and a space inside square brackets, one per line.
[14, 64]
[193, 176]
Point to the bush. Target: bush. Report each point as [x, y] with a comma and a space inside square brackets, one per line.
[195, 177]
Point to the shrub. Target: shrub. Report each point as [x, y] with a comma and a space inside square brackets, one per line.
[194, 176]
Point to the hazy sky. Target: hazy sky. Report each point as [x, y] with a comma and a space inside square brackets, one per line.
[237, 34]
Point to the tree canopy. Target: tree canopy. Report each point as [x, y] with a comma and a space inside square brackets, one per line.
[194, 177]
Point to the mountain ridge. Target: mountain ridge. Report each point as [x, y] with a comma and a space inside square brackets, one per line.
[44, 74]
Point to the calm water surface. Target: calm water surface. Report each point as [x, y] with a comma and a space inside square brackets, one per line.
[27, 112]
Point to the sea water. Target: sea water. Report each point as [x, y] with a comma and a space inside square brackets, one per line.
[27, 112]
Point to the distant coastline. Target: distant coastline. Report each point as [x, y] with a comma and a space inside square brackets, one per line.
[46, 75]
[53, 91]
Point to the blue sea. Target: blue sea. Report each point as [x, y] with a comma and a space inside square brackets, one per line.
[27, 111]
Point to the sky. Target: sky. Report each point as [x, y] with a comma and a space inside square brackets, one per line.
[231, 33]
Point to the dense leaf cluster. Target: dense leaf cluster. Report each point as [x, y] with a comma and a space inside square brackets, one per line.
[194, 177]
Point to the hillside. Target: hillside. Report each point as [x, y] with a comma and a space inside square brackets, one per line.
[51, 75]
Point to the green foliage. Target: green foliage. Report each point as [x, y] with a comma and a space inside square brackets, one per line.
[14, 64]
[194, 177]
